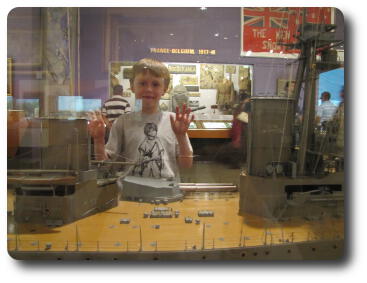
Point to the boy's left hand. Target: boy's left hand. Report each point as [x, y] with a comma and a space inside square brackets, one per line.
[96, 125]
[180, 123]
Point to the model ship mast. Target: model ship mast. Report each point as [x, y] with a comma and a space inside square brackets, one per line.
[312, 38]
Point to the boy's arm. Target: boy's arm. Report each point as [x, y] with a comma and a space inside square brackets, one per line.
[99, 150]
[185, 157]
[180, 124]
[97, 130]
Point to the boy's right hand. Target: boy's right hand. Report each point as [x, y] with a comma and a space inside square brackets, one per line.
[96, 125]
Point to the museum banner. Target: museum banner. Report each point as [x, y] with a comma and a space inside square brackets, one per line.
[266, 30]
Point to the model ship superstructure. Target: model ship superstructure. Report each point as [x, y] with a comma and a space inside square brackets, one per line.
[56, 185]
[286, 166]
[151, 190]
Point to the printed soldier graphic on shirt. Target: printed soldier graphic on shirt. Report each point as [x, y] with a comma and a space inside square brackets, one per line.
[150, 160]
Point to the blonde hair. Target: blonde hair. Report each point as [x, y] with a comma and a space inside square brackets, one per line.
[153, 66]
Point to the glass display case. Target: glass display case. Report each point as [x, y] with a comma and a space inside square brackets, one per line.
[270, 187]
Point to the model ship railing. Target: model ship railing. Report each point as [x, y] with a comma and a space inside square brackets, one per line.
[42, 177]
[265, 238]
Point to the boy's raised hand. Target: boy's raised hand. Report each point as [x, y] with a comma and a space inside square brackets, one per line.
[181, 121]
[96, 125]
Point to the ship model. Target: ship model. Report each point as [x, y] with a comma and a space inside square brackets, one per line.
[290, 204]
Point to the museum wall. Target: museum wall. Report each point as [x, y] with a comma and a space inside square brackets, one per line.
[124, 34]
[132, 30]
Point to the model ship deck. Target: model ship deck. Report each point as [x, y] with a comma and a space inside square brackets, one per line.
[126, 229]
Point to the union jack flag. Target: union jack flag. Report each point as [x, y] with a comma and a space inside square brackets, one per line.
[264, 28]
[266, 17]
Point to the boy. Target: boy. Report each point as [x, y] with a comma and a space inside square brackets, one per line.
[129, 133]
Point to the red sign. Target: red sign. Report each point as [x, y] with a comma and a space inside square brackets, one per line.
[264, 30]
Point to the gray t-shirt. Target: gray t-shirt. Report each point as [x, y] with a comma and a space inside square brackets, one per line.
[147, 140]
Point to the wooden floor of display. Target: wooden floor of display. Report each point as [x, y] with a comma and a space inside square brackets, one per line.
[103, 232]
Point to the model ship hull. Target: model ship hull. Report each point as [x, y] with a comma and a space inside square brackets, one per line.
[56, 210]
[272, 197]
[59, 197]
[48, 205]
[320, 250]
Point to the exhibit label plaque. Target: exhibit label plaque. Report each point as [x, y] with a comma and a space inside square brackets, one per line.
[182, 69]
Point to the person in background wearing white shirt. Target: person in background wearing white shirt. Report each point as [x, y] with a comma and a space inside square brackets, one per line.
[326, 111]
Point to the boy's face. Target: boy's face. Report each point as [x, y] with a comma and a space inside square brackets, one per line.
[149, 89]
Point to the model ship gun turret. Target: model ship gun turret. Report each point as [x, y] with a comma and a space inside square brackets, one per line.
[52, 175]
[285, 167]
